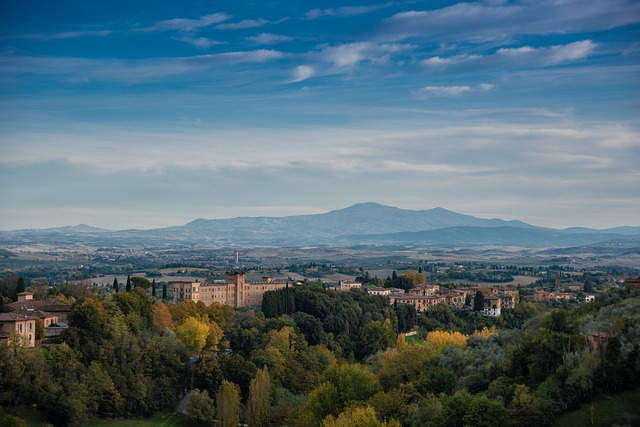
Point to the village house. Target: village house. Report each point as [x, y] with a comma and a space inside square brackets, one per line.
[425, 289]
[235, 291]
[421, 303]
[427, 296]
[346, 285]
[492, 306]
[53, 315]
[18, 323]
[379, 291]
[546, 296]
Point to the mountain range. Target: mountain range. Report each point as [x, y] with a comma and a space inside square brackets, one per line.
[363, 223]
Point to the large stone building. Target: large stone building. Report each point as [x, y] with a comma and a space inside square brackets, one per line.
[235, 291]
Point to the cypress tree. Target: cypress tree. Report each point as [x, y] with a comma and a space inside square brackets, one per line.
[478, 301]
[153, 288]
[164, 291]
[20, 286]
[115, 284]
[128, 283]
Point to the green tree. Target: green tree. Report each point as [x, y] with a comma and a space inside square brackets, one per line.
[390, 405]
[193, 334]
[200, 406]
[375, 336]
[104, 398]
[115, 284]
[164, 291]
[485, 412]
[153, 288]
[353, 383]
[20, 286]
[8, 420]
[259, 400]
[323, 401]
[207, 375]
[140, 282]
[228, 405]
[478, 301]
[128, 288]
[454, 409]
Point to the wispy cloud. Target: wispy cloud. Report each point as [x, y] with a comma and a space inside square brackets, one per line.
[345, 11]
[62, 35]
[130, 71]
[302, 72]
[242, 25]
[200, 42]
[268, 38]
[552, 55]
[487, 21]
[449, 91]
[523, 56]
[344, 58]
[189, 25]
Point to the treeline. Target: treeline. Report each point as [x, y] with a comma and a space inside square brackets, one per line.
[354, 324]
[323, 358]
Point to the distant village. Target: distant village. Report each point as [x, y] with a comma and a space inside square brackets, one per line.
[25, 315]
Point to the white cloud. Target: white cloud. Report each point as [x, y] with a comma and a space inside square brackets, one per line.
[437, 61]
[346, 55]
[302, 72]
[130, 71]
[200, 42]
[351, 54]
[547, 56]
[449, 91]
[189, 25]
[345, 11]
[495, 20]
[268, 38]
[241, 25]
[484, 165]
[523, 56]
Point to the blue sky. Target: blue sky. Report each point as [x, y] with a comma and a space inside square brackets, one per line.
[132, 114]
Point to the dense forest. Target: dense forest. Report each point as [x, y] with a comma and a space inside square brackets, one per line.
[314, 357]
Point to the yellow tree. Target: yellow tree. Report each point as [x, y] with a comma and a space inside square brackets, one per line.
[228, 405]
[401, 341]
[193, 333]
[259, 401]
[441, 340]
[214, 335]
[416, 278]
[162, 317]
[358, 416]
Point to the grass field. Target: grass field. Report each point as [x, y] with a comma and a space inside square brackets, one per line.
[164, 420]
[34, 419]
[414, 340]
[621, 409]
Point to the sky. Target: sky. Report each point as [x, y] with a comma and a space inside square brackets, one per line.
[146, 114]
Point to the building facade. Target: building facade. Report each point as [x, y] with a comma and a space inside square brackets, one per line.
[18, 323]
[492, 306]
[235, 291]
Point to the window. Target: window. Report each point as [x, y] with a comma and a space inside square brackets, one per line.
[20, 328]
[30, 327]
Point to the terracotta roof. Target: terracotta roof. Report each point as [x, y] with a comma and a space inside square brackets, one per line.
[12, 317]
